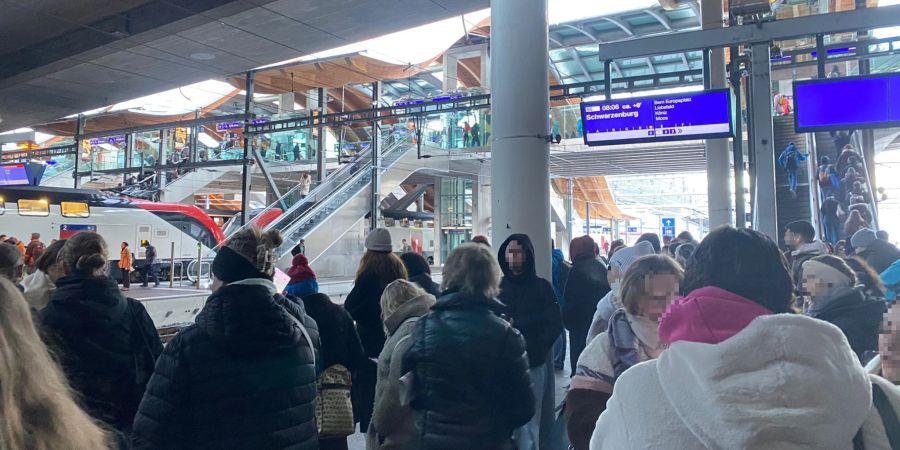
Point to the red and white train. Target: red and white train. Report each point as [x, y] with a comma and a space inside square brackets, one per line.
[57, 213]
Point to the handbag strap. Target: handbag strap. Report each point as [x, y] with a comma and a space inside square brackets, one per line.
[888, 415]
[304, 331]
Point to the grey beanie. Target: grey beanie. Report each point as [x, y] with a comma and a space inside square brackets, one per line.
[863, 238]
[379, 240]
[623, 258]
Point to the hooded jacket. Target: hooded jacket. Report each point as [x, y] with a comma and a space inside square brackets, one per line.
[880, 255]
[471, 387]
[105, 343]
[340, 342]
[243, 376]
[393, 423]
[530, 303]
[758, 387]
[806, 252]
[858, 316]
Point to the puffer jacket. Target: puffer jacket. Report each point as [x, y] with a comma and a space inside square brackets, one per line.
[471, 385]
[105, 343]
[393, 424]
[364, 305]
[242, 377]
[858, 316]
[587, 284]
[530, 303]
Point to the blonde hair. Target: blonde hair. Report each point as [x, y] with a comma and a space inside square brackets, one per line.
[397, 293]
[84, 255]
[634, 282]
[257, 247]
[471, 269]
[36, 406]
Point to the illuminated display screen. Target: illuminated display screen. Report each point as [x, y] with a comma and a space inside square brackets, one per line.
[847, 103]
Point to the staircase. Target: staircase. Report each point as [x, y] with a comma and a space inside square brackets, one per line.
[790, 207]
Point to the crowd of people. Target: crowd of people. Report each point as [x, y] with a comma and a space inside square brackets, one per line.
[673, 343]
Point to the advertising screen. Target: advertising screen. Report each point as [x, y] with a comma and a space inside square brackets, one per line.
[13, 175]
[847, 103]
[673, 117]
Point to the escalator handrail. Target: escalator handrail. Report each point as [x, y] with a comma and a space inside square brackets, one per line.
[873, 207]
[394, 149]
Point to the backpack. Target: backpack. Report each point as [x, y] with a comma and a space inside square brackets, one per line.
[888, 419]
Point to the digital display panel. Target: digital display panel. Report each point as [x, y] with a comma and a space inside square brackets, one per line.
[847, 103]
[675, 117]
[13, 175]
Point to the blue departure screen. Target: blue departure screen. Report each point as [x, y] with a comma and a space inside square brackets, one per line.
[847, 103]
[661, 118]
[13, 175]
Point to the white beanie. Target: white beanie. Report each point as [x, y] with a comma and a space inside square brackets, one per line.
[379, 240]
[624, 258]
[833, 277]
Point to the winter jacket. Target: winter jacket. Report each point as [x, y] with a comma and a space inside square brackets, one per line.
[857, 315]
[38, 288]
[242, 377]
[758, 389]
[340, 343]
[364, 305]
[598, 368]
[125, 259]
[530, 303]
[806, 252]
[587, 284]
[393, 423]
[424, 281]
[106, 345]
[880, 255]
[560, 270]
[471, 387]
[891, 280]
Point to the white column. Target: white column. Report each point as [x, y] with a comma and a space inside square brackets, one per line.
[765, 212]
[718, 166]
[451, 66]
[520, 155]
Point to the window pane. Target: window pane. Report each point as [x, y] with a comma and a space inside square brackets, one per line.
[34, 208]
[75, 209]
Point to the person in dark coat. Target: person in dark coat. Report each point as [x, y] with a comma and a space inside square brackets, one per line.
[586, 286]
[560, 270]
[106, 343]
[878, 253]
[420, 273]
[243, 376]
[833, 296]
[470, 384]
[531, 306]
[377, 269]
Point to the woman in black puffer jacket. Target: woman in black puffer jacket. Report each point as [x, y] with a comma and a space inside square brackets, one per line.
[105, 343]
[471, 387]
[587, 284]
[244, 375]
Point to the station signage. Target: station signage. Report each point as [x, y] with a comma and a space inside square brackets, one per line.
[701, 115]
[107, 140]
[668, 227]
[818, 104]
[225, 126]
[13, 175]
[66, 231]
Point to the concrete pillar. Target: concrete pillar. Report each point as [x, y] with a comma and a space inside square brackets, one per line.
[718, 168]
[286, 103]
[79, 141]
[376, 160]
[162, 154]
[765, 211]
[520, 153]
[438, 233]
[570, 215]
[321, 95]
[245, 161]
[451, 68]
[486, 68]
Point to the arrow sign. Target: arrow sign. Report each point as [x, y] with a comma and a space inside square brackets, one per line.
[668, 222]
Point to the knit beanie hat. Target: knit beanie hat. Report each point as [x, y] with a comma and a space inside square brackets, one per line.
[625, 257]
[831, 276]
[379, 240]
[863, 238]
[582, 247]
[300, 270]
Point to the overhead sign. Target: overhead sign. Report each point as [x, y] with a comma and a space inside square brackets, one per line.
[107, 140]
[668, 226]
[68, 230]
[876, 103]
[631, 230]
[675, 117]
[225, 126]
[13, 175]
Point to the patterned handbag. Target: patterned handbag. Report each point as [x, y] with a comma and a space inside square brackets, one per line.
[334, 411]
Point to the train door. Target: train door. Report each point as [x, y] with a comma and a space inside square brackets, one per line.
[142, 233]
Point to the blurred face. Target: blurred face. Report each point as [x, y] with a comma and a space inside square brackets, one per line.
[55, 271]
[814, 287]
[889, 344]
[660, 290]
[792, 240]
[515, 257]
[216, 283]
[124, 245]
[613, 275]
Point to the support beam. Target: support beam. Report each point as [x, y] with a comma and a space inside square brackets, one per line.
[584, 69]
[376, 160]
[520, 150]
[431, 79]
[451, 80]
[79, 142]
[863, 19]
[617, 22]
[322, 95]
[245, 162]
[570, 213]
[718, 171]
[765, 211]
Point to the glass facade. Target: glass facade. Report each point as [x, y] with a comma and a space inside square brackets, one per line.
[456, 213]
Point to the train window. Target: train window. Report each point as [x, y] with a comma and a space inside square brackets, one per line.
[75, 209]
[39, 208]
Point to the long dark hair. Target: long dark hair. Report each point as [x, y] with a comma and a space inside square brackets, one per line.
[386, 267]
[743, 262]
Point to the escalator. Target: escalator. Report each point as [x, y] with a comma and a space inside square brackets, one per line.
[830, 145]
[791, 207]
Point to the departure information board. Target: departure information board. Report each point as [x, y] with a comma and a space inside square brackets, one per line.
[13, 175]
[676, 117]
[847, 103]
